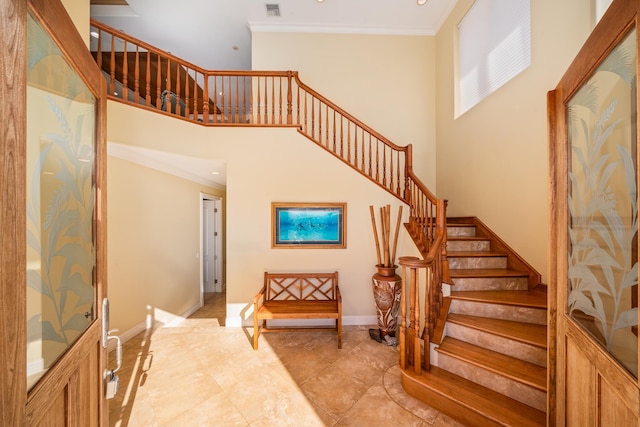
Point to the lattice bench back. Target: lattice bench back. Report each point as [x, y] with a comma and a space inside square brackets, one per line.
[300, 286]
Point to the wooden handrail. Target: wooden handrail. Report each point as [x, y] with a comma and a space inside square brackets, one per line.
[351, 140]
[142, 75]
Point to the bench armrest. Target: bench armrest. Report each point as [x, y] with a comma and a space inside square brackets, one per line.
[258, 300]
[338, 294]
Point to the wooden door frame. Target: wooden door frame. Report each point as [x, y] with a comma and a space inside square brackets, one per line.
[13, 371]
[14, 399]
[219, 239]
[561, 326]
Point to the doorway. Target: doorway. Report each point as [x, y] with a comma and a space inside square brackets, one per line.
[212, 283]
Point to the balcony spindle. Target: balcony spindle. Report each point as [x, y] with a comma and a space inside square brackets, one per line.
[178, 109]
[334, 131]
[125, 72]
[99, 50]
[273, 102]
[158, 83]
[187, 94]
[112, 66]
[147, 89]
[136, 75]
[378, 161]
[290, 98]
[205, 100]
[195, 95]
[237, 100]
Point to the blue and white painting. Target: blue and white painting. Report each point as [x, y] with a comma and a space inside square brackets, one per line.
[309, 225]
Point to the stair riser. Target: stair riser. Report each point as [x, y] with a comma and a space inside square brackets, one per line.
[491, 283]
[469, 245]
[456, 231]
[514, 389]
[477, 262]
[499, 311]
[445, 403]
[519, 350]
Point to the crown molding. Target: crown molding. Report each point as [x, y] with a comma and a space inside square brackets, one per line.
[260, 27]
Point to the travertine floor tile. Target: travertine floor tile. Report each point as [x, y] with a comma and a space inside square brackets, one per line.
[215, 411]
[200, 374]
[376, 408]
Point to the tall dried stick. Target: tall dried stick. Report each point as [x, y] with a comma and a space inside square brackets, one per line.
[375, 233]
[385, 236]
[395, 241]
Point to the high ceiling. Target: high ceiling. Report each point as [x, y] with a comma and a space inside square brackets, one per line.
[216, 34]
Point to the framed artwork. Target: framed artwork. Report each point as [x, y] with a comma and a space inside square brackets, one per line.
[308, 225]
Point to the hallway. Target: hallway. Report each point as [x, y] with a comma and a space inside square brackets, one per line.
[201, 374]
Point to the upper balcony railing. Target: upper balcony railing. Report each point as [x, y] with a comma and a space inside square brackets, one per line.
[145, 76]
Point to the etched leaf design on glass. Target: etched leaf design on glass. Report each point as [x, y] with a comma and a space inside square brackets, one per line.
[60, 197]
[602, 200]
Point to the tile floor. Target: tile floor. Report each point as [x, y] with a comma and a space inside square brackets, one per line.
[202, 374]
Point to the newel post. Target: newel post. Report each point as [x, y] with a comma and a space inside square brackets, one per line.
[289, 98]
[412, 355]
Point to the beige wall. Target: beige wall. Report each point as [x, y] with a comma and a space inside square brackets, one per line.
[386, 81]
[492, 161]
[153, 244]
[263, 166]
[79, 11]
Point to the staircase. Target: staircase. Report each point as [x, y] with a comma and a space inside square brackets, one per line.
[490, 358]
[489, 336]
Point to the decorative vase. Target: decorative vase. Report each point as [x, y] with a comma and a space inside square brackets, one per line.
[386, 293]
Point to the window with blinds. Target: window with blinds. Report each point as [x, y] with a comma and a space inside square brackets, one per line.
[494, 46]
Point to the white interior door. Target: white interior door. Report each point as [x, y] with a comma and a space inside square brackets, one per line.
[208, 246]
[217, 239]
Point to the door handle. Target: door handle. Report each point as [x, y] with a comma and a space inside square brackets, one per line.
[118, 351]
[110, 374]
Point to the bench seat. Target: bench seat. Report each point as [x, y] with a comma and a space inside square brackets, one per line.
[299, 310]
[297, 296]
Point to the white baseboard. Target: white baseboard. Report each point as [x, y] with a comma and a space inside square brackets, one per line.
[239, 322]
[168, 321]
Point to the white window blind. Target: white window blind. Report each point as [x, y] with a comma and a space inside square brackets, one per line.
[494, 47]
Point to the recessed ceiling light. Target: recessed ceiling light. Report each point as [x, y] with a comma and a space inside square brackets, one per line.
[215, 173]
[94, 34]
[234, 47]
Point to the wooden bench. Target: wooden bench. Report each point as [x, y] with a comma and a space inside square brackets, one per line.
[297, 296]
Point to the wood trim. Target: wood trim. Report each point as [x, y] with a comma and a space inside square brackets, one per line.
[552, 304]
[101, 230]
[57, 378]
[565, 335]
[603, 39]
[13, 369]
[620, 379]
[53, 16]
[61, 28]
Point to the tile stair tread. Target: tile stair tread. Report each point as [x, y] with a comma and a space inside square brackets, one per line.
[501, 364]
[535, 298]
[486, 272]
[466, 222]
[467, 238]
[491, 404]
[527, 333]
[472, 254]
